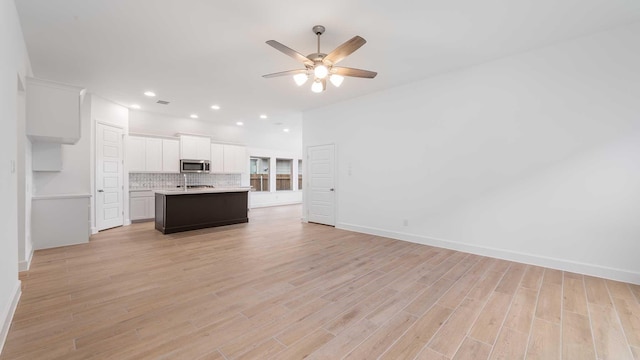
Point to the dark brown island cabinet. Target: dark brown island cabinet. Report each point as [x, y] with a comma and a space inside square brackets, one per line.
[179, 210]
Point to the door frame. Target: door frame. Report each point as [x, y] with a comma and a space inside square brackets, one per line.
[125, 184]
[306, 175]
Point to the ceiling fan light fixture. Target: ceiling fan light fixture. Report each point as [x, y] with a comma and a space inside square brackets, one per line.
[320, 71]
[300, 79]
[320, 66]
[336, 79]
[316, 87]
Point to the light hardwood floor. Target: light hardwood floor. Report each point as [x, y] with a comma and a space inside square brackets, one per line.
[278, 288]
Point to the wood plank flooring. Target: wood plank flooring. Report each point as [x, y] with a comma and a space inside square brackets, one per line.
[277, 288]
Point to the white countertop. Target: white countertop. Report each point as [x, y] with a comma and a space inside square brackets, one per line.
[60, 196]
[202, 191]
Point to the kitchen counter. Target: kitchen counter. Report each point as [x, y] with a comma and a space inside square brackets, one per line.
[202, 190]
[179, 210]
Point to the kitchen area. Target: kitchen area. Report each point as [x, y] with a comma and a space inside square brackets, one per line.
[187, 182]
[99, 165]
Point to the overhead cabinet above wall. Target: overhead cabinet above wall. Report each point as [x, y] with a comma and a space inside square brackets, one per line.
[195, 147]
[230, 159]
[53, 111]
[235, 159]
[148, 154]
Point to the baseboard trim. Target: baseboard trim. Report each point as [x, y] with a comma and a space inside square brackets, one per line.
[531, 259]
[7, 315]
[24, 265]
[271, 204]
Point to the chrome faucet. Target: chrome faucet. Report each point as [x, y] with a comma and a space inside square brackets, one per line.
[185, 182]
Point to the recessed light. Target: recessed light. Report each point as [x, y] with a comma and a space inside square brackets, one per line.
[135, 106]
[239, 123]
[150, 93]
[285, 130]
[263, 116]
[194, 116]
[215, 107]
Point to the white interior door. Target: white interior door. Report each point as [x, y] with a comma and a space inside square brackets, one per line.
[109, 177]
[321, 182]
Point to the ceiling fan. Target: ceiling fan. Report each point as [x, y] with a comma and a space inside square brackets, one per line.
[320, 66]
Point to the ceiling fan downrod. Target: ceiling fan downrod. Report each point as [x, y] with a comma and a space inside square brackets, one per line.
[318, 30]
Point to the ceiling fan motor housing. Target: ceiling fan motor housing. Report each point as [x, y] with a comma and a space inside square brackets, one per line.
[318, 29]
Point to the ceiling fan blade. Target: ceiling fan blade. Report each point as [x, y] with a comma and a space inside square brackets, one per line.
[288, 51]
[285, 73]
[345, 71]
[345, 49]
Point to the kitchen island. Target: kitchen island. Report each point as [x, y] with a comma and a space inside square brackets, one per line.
[183, 210]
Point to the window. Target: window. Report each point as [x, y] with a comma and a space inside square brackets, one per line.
[284, 174]
[299, 174]
[259, 177]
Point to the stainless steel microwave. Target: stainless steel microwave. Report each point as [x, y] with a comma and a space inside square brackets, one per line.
[194, 166]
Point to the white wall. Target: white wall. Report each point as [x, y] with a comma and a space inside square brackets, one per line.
[108, 112]
[534, 157]
[14, 63]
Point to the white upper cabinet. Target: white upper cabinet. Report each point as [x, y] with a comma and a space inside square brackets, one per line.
[195, 147]
[170, 155]
[235, 159]
[146, 154]
[136, 153]
[217, 158]
[53, 111]
[153, 154]
[204, 149]
[230, 159]
[188, 147]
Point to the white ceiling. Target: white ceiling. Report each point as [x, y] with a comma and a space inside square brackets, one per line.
[195, 53]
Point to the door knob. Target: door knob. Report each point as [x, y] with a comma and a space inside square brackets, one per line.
[100, 190]
[332, 189]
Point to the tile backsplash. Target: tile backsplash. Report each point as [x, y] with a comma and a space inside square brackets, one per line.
[166, 181]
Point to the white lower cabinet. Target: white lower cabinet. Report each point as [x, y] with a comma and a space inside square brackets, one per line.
[142, 205]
